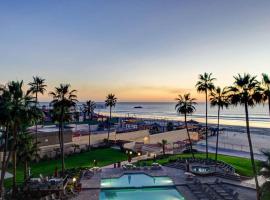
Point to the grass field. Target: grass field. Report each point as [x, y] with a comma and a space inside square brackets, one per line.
[108, 156]
[241, 165]
[103, 156]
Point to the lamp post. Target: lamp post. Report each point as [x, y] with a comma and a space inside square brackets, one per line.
[29, 172]
[129, 154]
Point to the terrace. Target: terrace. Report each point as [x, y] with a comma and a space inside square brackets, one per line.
[113, 182]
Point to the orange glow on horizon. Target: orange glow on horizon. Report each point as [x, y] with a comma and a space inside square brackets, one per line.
[132, 94]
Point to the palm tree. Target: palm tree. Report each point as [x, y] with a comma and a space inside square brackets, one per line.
[219, 98]
[63, 100]
[185, 105]
[5, 121]
[37, 87]
[89, 108]
[55, 114]
[27, 150]
[245, 92]
[18, 109]
[266, 89]
[205, 85]
[110, 102]
[163, 143]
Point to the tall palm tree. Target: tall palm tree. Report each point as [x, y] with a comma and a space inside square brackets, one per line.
[110, 102]
[245, 92]
[5, 122]
[205, 85]
[18, 108]
[38, 86]
[266, 89]
[27, 150]
[55, 114]
[89, 108]
[163, 144]
[63, 100]
[219, 98]
[185, 105]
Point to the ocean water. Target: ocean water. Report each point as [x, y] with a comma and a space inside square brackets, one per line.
[234, 115]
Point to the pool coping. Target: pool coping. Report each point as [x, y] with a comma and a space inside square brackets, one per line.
[173, 185]
[135, 172]
[142, 187]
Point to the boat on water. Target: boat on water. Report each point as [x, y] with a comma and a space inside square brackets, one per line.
[137, 107]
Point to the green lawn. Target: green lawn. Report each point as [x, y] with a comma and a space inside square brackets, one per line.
[103, 156]
[109, 156]
[241, 165]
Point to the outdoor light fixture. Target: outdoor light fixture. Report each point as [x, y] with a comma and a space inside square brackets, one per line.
[74, 180]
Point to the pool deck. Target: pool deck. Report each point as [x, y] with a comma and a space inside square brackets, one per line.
[91, 187]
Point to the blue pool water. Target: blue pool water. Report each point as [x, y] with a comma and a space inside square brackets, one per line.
[135, 180]
[133, 187]
[141, 194]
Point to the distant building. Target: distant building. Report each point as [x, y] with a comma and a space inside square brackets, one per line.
[49, 135]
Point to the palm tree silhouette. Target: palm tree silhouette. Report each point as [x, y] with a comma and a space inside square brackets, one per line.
[163, 144]
[27, 150]
[63, 100]
[110, 102]
[205, 85]
[185, 105]
[266, 89]
[89, 108]
[219, 98]
[245, 92]
[18, 111]
[38, 86]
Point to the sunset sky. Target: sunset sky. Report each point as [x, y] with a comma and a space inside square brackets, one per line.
[140, 50]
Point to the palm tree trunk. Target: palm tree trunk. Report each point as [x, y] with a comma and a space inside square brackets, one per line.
[36, 121]
[206, 124]
[3, 164]
[190, 143]
[14, 158]
[62, 141]
[217, 135]
[25, 171]
[163, 149]
[59, 135]
[4, 169]
[109, 124]
[269, 104]
[89, 133]
[251, 153]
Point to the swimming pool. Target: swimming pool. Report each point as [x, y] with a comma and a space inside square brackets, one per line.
[141, 194]
[135, 180]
